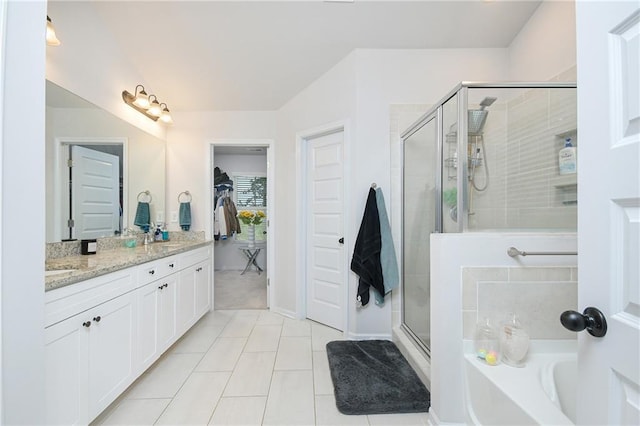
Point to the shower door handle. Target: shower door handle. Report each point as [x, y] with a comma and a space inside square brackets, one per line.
[341, 240]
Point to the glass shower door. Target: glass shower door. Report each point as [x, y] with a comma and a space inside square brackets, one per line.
[420, 218]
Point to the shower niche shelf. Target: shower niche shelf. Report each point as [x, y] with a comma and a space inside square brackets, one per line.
[567, 189]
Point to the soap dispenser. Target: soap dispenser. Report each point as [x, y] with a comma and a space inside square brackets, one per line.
[567, 160]
[158, 233]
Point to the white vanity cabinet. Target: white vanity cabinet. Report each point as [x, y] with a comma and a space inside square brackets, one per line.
[90, 355]
[156, 319]
[193, 299]
[103, 333]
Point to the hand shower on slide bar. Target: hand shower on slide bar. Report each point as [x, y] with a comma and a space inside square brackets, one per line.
[476, 119]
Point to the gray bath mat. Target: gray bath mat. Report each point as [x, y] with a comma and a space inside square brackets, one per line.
[372, 377]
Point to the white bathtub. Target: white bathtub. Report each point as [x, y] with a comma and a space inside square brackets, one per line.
[541, 393]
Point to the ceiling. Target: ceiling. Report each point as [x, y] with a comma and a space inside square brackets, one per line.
[256, 55]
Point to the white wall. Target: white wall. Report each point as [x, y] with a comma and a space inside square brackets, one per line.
[22, 94]
[329, 99]
[103, 77]
[227, 255]
[546, 45]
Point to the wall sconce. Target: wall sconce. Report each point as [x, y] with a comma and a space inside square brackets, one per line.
[147, 105]
[52, 40]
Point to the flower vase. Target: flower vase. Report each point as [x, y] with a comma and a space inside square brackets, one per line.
[251, 236]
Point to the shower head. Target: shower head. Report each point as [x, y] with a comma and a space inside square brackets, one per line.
[488, 101]
[477, 117]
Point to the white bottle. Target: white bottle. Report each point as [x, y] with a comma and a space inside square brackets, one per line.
[567, 160]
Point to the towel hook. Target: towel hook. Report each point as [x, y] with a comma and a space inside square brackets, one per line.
[187, 193]
[373, 185]
[147, 193]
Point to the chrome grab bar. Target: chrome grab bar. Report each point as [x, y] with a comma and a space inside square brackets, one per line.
[513, 252]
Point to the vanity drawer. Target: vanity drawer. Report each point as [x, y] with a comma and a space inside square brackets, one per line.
[71, 300]
[194, 256]
[157, 269]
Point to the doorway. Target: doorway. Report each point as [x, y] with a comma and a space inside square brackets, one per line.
[239, 223]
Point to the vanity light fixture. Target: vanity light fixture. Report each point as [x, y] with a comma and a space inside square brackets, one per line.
[52, 40]
[147, 105]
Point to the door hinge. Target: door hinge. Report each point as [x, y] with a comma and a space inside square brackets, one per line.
[69, 162]
[268, 282]
[70, 223]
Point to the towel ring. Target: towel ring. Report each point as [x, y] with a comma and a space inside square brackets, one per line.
[187, 193]
[147, 193]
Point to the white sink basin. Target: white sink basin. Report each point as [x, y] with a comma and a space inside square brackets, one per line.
[58, 272]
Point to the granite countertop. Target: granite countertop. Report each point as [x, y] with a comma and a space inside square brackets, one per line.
[106, 261]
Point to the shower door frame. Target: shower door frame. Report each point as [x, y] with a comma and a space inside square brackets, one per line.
[433, 114]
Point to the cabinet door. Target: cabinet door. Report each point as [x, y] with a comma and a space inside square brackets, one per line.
[167, 288]
[148, 317]
[203, 288]
[111, 351]
[186, 302]
[66, 368]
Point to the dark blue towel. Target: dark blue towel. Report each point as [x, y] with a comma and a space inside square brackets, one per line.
[143, 216]
[366, 253]
[185, 216]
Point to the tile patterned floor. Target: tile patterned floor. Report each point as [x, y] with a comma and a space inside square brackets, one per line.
[244, 367]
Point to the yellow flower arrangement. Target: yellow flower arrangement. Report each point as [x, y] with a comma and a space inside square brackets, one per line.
[249, 217]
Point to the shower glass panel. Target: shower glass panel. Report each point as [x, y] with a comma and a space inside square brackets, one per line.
[420, 181]
[513, 180]
[450, 165]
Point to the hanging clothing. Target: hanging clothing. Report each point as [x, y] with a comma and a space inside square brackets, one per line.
[366, 253]
[231, 217]
[388, 260]
[222, 223]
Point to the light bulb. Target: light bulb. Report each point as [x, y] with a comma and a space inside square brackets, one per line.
[154, 108]
[141, 99]
[166, 116]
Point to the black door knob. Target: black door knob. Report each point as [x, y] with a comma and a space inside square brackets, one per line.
[341, 240]
[97, 319]
[86, 324]
[592, 319]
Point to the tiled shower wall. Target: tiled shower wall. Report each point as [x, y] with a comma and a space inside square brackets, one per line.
[537, 295]
[523, 136]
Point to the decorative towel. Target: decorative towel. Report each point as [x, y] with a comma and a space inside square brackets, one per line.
[143, 216]
[185, 216]
[388, 261]
[366, 253]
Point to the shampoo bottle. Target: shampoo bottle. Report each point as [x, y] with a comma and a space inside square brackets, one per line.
[567, 160]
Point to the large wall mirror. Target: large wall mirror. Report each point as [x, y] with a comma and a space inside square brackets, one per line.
[97, 169]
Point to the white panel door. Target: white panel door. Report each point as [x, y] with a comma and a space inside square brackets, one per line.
[325, 251]
[608, 38]
[95, 194]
